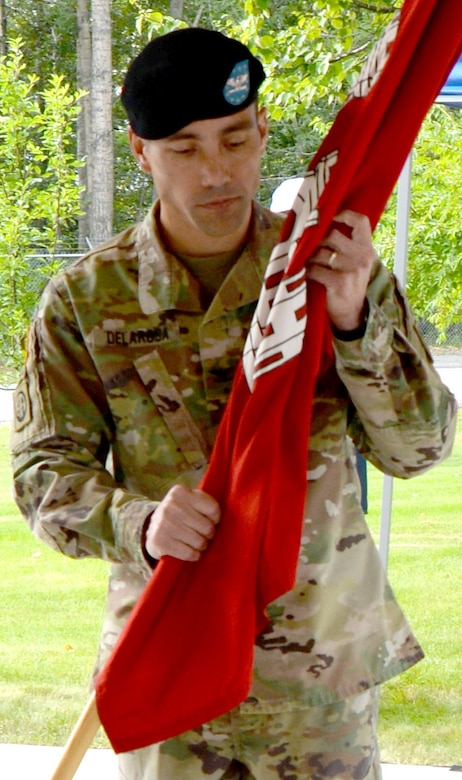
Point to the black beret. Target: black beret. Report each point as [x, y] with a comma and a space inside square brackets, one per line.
[186, 75]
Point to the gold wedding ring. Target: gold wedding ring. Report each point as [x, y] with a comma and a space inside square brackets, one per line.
[331, 259]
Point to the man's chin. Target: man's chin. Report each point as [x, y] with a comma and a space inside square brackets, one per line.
[224, 220]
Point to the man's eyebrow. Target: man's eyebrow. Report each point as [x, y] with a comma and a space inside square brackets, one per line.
[242, 124]
[180, 136]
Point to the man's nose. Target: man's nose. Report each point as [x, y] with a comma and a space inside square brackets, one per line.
[215, 170]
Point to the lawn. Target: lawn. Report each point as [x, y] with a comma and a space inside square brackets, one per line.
[421, 711]
[52, 609]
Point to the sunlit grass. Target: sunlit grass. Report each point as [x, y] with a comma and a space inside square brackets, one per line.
[421, 711]
[52, 610]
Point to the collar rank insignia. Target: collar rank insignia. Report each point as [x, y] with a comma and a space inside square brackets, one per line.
[237, 87]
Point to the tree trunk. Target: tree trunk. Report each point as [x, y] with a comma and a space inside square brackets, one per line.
[84, 137]
[3, 29]
[102, 187]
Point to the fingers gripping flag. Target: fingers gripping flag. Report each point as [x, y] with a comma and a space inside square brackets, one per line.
[185, 655]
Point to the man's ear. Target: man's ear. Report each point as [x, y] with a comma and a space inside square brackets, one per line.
[262, 119]
[137, 145]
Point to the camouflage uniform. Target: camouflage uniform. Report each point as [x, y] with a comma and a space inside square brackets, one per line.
[335, 741]
[124, 386]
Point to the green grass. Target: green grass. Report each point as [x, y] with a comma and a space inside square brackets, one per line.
[421, 711]
[52, 609]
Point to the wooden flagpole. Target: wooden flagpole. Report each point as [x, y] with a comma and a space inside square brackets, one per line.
[79, 741]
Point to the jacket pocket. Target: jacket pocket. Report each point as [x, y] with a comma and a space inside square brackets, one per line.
[170, 405]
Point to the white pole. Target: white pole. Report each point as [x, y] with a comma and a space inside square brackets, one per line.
[400, 269]
[402, 221]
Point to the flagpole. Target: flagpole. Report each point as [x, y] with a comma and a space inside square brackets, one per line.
[400, 270]
[79, 741]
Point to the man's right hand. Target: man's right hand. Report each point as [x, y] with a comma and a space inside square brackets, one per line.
[183, 524]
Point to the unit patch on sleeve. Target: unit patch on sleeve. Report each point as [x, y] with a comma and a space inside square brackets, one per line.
[22, 406]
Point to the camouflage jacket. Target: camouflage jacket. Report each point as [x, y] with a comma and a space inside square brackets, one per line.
[124, 386]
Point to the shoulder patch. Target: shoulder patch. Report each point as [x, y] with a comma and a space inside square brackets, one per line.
[22, 406]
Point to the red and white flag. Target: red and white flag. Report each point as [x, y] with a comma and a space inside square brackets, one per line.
[185, 655]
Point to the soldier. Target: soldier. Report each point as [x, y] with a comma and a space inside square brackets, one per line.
[130, 362]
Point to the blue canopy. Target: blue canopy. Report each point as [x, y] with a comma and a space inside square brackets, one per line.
[451, 92]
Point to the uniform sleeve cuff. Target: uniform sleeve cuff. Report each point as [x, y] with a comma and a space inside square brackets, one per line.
[356, 333]
[131, 529]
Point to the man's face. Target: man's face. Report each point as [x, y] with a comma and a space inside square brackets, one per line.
[206, 176]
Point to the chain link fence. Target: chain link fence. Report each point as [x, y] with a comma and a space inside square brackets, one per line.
[40, 261]
[452, 341]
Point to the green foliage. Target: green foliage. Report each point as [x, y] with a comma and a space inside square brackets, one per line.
[434, 277]
[38, 186]
[311, 53]
[48, 30]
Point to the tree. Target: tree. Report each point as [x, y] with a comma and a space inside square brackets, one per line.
[40, 196]
[51, 30]
[3, 28]
[311, 56]
[434, 278]
[102, 168]
[84, 133]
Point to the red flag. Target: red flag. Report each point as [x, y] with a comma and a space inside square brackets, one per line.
[185, 655]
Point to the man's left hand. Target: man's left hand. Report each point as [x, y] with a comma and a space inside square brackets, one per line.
[343, 265]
